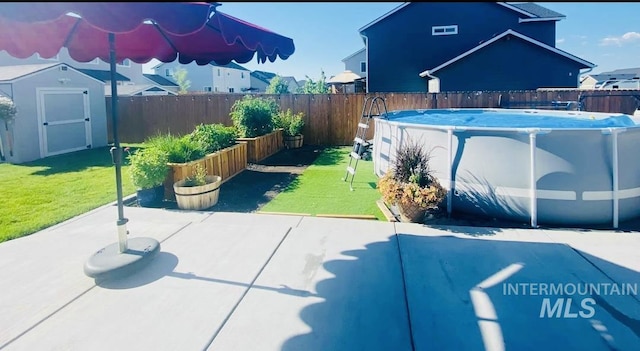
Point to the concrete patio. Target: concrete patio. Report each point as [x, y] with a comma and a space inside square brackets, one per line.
[241, 281]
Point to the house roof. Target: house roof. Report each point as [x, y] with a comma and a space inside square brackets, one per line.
[498, 37]
[12, 73]
[634, 71]
[263, 76]
[129, 90]
[160, 80]
[102, 75]
[536, 10]
[352, 55]
[531, 10]
[232, 65]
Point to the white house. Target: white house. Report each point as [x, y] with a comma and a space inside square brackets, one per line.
[229, 78]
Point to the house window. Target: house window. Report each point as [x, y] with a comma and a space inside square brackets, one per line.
[231, 90]
[207, 89]
[363, 66]
[216, 89]
[218, 72]
[444, 30]
[54, 58]
[167, 72]
[125, 63]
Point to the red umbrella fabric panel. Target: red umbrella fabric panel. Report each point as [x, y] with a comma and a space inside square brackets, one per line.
[143, 31]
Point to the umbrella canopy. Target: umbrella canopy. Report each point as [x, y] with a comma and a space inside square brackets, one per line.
[188, 32]
[343, 78]
[143, 31]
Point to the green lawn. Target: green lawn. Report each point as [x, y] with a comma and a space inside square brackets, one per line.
[39, 194]
[321, 190]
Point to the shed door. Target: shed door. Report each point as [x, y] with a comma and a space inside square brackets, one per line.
[64, 120]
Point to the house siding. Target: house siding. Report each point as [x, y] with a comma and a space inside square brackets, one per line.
[207, 76]
[353, 63]
[515, 65]
[402, 45]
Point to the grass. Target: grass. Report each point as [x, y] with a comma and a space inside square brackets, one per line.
[321, 190]
[42, 193]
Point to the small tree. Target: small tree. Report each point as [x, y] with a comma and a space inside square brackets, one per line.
[180, 75]
[7, 109]
[277, 86]
[317, 87]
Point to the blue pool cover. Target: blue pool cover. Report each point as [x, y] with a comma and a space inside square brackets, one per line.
[500, 119]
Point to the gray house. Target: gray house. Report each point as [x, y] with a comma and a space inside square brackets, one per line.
[356, 62]
[60, 110]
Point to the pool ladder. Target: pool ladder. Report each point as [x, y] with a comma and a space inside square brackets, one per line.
[360, 144]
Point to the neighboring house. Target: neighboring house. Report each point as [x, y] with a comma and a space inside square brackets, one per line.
[356, 63]
[130, 70]
[124, 85]
[60, 109]
[229, 78]
[626, 78]
[469, 46]
[163, 82]
[260, 80]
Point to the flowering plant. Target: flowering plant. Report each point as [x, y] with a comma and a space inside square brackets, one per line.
[410, 182]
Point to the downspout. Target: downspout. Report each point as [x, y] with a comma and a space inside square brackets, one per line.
[431, 76]
[366, 60]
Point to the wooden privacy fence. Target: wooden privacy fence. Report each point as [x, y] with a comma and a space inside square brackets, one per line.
[330, 119]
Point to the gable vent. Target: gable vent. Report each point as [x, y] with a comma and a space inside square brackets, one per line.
[63, 68]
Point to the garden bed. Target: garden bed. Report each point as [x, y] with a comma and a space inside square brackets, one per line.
[225, 163]
[261, 147]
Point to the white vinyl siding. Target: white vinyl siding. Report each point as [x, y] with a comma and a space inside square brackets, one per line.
[444, 30]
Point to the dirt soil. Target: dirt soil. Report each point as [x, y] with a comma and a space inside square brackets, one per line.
[252, 188]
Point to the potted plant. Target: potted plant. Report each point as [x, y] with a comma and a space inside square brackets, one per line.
[291, 125]
[410, 185]
[148, 169]
[199, 191]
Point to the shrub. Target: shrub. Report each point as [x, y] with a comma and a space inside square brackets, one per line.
[409, 180]
[148, 167]
[291, 124]
[178, 149]
[253, 116]
[277, 86]
[7, 109]
[214, 137]
[198, 178]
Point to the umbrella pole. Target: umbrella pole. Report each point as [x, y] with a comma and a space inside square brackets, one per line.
[116, 151]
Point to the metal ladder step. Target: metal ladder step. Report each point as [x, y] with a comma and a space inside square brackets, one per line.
[351, 171]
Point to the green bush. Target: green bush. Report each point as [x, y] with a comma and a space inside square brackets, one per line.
[7, 109]
[214, 137]
[178, 149]
[148, 167]
[291, 124]
[253, 116]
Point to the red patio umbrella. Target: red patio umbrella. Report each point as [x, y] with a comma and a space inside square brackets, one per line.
[139, 31]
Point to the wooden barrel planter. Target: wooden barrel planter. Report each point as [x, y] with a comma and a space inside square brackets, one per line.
[293, 142]
[225, 163]
[261, 147]
[198, 197]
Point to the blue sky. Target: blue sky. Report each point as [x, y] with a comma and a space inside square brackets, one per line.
[606, 34]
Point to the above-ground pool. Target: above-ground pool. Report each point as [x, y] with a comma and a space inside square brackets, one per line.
[570, 168]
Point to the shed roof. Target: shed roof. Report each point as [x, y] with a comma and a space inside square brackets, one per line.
[129, 90]
[12, 73]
